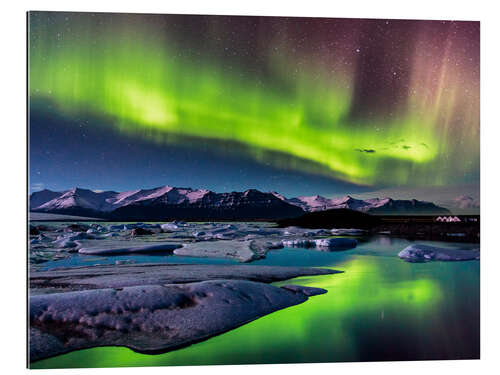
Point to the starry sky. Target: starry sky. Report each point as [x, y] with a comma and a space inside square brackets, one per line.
[298, 105]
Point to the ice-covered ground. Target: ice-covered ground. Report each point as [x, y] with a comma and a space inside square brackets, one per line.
[161, 306]
[167, 305]
[240, 242]
[152, 318]
[243, 242]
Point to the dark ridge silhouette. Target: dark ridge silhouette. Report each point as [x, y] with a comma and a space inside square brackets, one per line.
[412, 206]
[248, 205]
[335, 218]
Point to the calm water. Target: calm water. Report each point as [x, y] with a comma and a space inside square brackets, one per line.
[381, 308]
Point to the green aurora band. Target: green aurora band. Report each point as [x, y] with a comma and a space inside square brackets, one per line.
[136, 78]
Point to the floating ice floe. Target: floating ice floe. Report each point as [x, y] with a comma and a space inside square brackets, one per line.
[76, 228]
[41, 239]
[322, 244]
[65, 243]
[293, 231]
[426, 253]
[116, 228]
[347, 231]
[237, 250]
[168, 227]
[108, 276]
[125, 261]
[336, 243]
[149, 314]
[298, 243]
[80, 236]
[316, 232]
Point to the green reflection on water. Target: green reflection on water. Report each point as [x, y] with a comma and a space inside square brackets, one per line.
[381, 308]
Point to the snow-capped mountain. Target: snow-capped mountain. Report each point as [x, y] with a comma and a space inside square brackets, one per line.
[108, 201]
[164, 202]
[75, 197]
[373, 205]
[312, 203]
[43, 196]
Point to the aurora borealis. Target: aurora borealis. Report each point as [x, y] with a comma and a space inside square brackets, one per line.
[359, 103]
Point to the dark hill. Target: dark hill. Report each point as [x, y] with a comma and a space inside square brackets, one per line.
[249, 205]
[409, 207]
[336, 218]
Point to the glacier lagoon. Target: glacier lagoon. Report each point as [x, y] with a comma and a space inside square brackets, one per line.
[380, 308]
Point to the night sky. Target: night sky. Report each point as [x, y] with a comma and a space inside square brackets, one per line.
[297, 105]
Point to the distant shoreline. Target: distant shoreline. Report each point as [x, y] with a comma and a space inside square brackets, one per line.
[415, 227]
[42, 216]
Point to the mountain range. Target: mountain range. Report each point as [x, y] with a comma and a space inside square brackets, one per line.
[373, 205]
[168, 203]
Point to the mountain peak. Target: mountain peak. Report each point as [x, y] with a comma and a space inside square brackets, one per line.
[251, 191]
[78, 190]
[278, 195]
